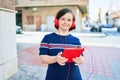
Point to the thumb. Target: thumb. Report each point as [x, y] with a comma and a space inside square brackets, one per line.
[60, 53]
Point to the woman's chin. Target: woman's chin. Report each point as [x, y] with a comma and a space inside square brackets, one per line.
[65, 29]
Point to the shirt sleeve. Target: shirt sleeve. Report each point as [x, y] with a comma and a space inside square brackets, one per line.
[79, 43]
[44, 46]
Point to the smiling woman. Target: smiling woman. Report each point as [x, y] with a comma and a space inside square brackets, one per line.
[53, 45]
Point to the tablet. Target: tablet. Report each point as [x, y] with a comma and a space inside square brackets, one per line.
[71, 53]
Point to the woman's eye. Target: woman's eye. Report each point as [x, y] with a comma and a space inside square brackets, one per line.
[62, 19]
[66, 19]
[69, 20]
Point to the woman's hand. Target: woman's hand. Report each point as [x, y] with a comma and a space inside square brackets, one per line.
[78, 60]
[61, 60]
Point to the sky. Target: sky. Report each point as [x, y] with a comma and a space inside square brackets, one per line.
[104, 5]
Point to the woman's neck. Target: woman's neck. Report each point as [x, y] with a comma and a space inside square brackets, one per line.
[61, 32]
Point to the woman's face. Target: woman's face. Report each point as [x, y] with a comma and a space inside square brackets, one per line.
[65, 21]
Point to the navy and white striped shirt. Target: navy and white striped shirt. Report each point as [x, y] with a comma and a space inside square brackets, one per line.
[51, 45]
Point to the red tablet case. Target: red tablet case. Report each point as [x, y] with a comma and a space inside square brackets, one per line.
[71, 53]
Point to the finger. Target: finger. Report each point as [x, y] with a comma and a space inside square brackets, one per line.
[75, 59]
[66, 59]
[76, 64]
[60, 63]
[60, 53]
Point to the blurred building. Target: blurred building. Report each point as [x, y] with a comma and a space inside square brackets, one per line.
[114, 12]
[8, 4]
[115, 17]
[35, 15]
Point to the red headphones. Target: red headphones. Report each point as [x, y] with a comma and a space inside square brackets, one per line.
[56, 23]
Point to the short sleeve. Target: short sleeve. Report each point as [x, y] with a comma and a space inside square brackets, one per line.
[79, 43]
[44, 46]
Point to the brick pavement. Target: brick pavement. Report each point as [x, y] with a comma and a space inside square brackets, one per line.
[103, 63]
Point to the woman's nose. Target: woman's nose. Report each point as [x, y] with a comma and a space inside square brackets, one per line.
[66, 21]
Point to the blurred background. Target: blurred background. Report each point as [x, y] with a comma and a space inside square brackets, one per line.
[23, 24]
[38, 15]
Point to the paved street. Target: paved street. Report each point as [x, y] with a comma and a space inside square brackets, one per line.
[102, 59]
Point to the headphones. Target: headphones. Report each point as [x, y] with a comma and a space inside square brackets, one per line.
[56, 23]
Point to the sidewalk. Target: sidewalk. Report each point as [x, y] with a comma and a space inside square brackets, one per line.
[104, 61]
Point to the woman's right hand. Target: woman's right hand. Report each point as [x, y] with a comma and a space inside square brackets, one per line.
[61, 60]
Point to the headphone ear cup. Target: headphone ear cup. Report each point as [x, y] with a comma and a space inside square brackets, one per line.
[56, 22]
[73, 25]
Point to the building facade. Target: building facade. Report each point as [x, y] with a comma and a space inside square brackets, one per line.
[8, 4]
[35, 15]
[115, 16]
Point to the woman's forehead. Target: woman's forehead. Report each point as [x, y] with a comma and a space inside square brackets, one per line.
[68, 15]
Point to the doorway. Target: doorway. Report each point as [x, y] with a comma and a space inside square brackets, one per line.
[38, 22]
[19, 18]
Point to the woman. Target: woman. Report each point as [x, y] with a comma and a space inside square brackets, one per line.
[53, 44]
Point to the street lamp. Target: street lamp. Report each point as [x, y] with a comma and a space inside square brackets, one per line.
[107, 17]
[34, 9]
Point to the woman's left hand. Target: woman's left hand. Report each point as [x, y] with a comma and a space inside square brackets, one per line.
[78, 60]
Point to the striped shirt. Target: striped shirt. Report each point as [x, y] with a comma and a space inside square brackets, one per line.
[51, 45]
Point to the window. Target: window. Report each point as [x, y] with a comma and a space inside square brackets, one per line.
[30, 20]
